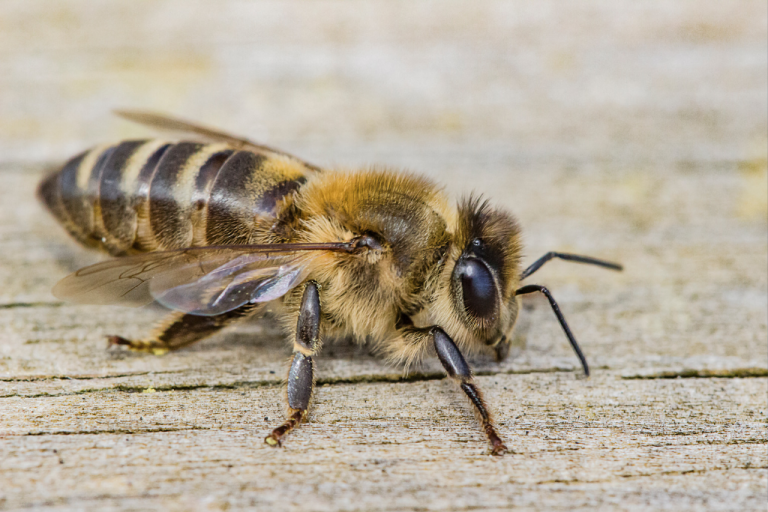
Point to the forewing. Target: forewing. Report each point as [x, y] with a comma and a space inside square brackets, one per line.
[166, 123]
[126, 281]
[245, 280]
[202, 281]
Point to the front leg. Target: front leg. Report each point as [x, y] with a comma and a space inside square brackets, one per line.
[301, 379]
[458, 370]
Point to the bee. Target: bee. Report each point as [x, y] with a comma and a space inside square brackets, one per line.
[218, 228]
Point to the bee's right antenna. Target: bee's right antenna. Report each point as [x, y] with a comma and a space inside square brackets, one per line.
[532, 288]
[570, 257]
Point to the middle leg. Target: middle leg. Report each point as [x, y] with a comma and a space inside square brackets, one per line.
[301, 378]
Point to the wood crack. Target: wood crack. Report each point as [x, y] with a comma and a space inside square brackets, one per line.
[734, 373]
[13, 305]
[361, 379]
[40, 378]
[112, 431]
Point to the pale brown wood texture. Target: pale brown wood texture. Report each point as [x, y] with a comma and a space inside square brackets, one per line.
[632, 131]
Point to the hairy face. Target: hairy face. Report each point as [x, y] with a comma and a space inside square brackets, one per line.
[476, 303]
[486, 272]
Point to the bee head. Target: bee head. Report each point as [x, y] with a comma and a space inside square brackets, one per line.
[484, 272]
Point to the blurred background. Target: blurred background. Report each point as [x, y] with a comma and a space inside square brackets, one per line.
[581, 83]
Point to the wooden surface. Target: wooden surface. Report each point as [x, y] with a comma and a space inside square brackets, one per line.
[631, 131]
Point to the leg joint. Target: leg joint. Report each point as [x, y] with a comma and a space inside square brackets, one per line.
[450, 356]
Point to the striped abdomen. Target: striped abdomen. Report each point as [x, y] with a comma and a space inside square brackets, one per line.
[152, 195]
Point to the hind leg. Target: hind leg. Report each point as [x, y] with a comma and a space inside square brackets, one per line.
[181, 329]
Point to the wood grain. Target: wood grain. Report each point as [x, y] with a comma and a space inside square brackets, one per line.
[629, 131]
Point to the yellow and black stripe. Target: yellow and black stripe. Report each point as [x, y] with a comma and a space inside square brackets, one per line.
[149, 195]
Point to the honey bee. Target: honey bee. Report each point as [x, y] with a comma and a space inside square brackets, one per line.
[223, 228]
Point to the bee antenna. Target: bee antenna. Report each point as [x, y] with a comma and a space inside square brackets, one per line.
[533, 288]
[569, 257]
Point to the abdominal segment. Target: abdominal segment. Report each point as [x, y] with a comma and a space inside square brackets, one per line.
[150, 195]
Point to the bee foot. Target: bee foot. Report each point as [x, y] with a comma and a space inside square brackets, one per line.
[497, 445]
[273, 441]
[137, 346]
[500, 449]
[117, 340]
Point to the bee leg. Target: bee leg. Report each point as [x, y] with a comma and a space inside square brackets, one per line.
[180, 330]
[458, 369]
[301, 379]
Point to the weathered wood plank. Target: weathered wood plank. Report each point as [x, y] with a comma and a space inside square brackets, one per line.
[635, 132]
[387, 446]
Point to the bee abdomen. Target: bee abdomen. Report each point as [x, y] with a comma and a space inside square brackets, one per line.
[151, 195]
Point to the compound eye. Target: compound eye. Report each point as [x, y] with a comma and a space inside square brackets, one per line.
[477, 287]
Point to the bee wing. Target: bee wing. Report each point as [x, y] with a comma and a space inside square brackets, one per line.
[167, 123]
[204, 281]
